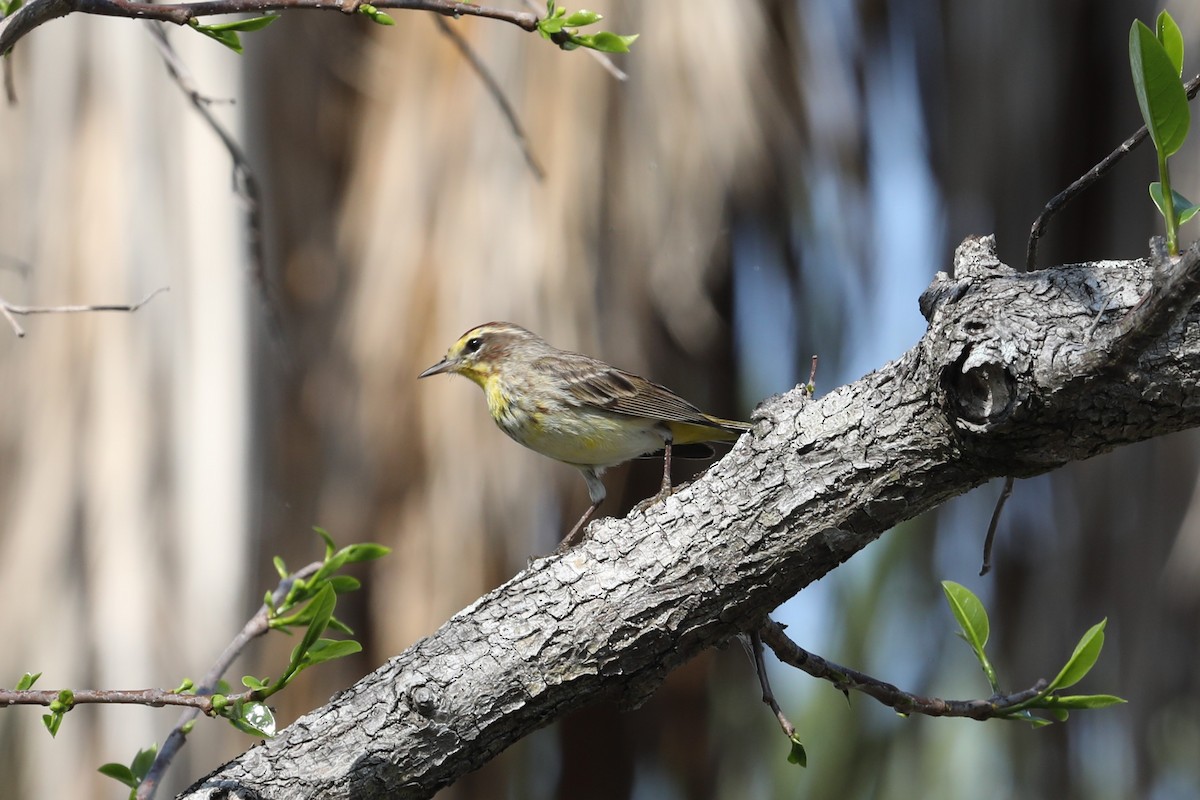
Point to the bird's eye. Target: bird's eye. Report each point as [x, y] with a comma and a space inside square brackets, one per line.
[473, 344]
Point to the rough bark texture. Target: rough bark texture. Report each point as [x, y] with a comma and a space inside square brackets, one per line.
[993, 388]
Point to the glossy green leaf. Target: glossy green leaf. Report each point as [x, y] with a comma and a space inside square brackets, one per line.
[27, 681]
[1160, 95]
[971, 616]
[1171, 38]
[322, 609]
[1082, 660]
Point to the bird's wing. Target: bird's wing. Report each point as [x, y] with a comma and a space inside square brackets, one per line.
[593, 383]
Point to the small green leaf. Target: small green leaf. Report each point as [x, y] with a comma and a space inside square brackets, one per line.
[366, 551]
[327, 538]
[7, 9]
[1160, 95]
[329, 649]
[375, 14]
[1076, 701]
[143, 761]
[322, 609]
[344, 583]
[120, 773]
[228, 38]
[797, 756]
[251, 682]
[27, 681]
[52, 722]
[247, 25]
[280, 567]
[584, 17]
[605, 42]
[971, 616]
[1184, 209]
[186, 685]
[219, 703]
[1171, 38]
[1082, 660]
[1059, 714]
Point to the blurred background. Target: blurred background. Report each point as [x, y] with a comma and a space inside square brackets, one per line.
[774, 180]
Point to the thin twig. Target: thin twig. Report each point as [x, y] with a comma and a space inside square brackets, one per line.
[496, 91]
[768, 697]
[1060, 200]
[38, 12]
[903, 702]
[8, 309]
[1005, 493]
[257, 626]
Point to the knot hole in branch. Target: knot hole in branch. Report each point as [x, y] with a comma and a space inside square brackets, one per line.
[980, 391]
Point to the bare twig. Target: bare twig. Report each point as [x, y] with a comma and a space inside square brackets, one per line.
[257, 625]
[1005, 493]
[768, 697]
[903, 702]
[245, 182]
[1060, 200]
[8, 309]
[496, 91]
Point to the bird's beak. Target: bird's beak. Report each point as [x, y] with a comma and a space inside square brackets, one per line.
[445, 365]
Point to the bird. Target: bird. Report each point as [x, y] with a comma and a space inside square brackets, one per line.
[579, 410]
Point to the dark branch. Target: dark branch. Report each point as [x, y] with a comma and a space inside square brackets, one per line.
[846, 679]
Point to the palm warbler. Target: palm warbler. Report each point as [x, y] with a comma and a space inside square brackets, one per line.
[578, 410]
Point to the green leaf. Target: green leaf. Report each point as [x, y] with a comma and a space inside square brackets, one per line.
[1160, 95]
[584, 17]
[1171, 38]
[228, 38]
[329, 649]
[251, 682]
[280, 567]
[376, 16]
[328, 539]
[1084, 701]
[1082, 660]
[251, 24]
[185, 686]
[322, 606]
[27, 681]
[120, 773]
[971, 616]
[797, 756]
[344, 583]
[1184, 209]
[143, 761]
[606, 42]
[366, 551]
[7, 9]
[52, 722]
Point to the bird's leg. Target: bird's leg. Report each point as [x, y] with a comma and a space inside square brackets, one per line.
[597, 493]
[666, 481]
[576, 535]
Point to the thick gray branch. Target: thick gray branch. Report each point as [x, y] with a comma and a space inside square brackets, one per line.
[992, 389]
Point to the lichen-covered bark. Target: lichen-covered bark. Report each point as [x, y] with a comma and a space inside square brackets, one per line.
[995, 387]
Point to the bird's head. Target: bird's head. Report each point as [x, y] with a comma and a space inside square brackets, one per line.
[482, 351]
